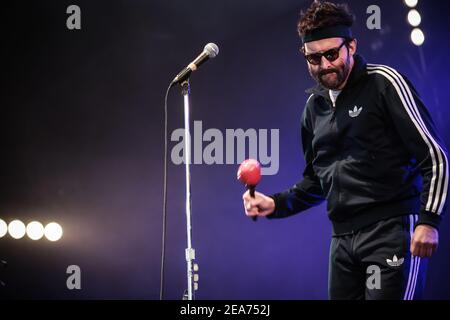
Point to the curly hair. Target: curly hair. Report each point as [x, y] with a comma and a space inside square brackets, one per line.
[324, 14]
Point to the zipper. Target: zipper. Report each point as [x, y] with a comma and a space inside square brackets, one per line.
[333, 115]
[333, 109]
[338, 160]
[338, 183]
[334, 103]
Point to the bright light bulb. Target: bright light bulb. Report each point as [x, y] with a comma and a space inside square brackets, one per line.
[417, 37]
[16, 229]
[3, 228]
[414, 17]
[35, 230]
[411, 3]
[53, 231]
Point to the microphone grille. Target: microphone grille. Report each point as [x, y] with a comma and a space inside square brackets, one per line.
[212, 50]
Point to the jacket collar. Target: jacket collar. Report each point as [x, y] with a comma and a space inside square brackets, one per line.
[359, 70]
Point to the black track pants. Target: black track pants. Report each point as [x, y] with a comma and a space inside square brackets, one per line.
[376, 263]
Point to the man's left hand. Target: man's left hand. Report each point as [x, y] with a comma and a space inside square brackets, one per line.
[425, 241]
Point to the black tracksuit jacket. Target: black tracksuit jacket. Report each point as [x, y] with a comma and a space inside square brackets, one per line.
[374, 155]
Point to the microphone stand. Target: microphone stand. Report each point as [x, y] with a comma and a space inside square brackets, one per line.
[190, 252]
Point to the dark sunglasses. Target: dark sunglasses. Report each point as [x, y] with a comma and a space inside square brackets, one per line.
[330, 55]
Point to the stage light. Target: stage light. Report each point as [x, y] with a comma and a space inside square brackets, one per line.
[53, 231]
[16, 229]
[414, 18]
[3, 228]
[417, 37]
[411, 3]
[35, 230]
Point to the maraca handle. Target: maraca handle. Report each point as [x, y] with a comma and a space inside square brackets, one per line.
[252, 194]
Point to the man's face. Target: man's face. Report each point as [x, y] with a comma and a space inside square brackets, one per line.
[331, 74]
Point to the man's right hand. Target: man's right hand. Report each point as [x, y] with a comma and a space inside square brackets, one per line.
[259, 206]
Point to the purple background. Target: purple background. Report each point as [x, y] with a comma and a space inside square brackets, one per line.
[82, 143]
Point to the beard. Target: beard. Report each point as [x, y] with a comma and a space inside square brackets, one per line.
[332, 78]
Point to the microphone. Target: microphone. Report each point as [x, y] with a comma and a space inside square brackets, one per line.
[211, 50]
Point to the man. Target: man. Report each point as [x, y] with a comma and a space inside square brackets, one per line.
[372, 151]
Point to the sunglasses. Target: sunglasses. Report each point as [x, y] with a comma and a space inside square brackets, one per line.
[330, 55]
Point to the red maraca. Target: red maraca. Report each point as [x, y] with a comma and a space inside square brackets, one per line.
[249, 173]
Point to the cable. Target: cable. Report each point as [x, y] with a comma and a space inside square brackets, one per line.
[164, 217]
[3, 263]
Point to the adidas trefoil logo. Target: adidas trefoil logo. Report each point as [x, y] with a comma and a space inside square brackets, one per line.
[355, 112]
[395, 262]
